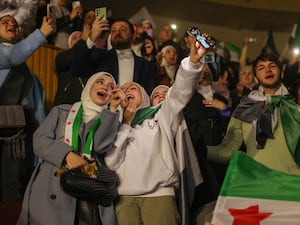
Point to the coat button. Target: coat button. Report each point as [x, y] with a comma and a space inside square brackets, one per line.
[53, 197]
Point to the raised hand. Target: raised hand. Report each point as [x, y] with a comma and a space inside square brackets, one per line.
[197, 51]
[78, 11]
[99, 26]
[48, 26]
[117, 97]
[129, 112]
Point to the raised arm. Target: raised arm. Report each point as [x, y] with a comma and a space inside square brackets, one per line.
[184, 86]
[86, 57]
[17, 53]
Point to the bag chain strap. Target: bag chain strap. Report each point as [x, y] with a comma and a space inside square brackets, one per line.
[18, 134]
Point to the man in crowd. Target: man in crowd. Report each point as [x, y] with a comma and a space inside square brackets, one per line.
[119, 60]
[267, 121]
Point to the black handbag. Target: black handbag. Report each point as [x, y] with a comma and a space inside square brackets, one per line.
[100, 188]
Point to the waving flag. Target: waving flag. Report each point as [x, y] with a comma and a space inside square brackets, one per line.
[253, 194]
[235, 52]
[141, 15]
[297, 34]
[269, 46]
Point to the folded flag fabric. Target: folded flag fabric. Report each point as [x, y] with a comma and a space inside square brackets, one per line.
[235, 51]
[253, 194]
[269, 46]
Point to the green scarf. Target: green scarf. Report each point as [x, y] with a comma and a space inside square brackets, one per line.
[144, 113]
[90, 137]
[290, 118]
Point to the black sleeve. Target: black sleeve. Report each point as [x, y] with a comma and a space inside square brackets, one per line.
[63, 61]
[40, 13]
[152, 83]
[81, 62]
[62, 22]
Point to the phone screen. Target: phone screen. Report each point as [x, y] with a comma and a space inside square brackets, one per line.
[101, 13]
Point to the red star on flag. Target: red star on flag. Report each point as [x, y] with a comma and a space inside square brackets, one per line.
[248, 216]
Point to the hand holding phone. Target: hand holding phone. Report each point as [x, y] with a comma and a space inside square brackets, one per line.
[200, 38]
[75, 4]
[51, 13]
[101, 13]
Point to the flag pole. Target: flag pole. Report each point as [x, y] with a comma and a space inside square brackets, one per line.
[287, 45]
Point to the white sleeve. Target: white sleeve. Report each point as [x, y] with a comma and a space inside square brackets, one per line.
[180, 93]
[90, 44]
[19, 52]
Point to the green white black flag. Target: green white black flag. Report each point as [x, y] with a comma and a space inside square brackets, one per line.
[253, 194]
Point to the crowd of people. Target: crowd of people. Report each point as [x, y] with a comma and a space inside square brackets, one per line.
[165, 117]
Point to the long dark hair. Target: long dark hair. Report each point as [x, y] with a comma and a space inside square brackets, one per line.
[145, 37]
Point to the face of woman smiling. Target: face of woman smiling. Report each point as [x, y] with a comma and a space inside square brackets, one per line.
[132, 93]
[9, 28]
[170, 55]
[101, 90]
[159, 95]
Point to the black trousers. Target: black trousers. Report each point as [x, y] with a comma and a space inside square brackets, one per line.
[87, 213]
[14, 174]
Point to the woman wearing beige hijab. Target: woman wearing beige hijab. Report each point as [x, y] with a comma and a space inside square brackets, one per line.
[62, 139]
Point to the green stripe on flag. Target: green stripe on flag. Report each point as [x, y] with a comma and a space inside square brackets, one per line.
[233, 48]
[247, 178]
[235, 51]
[297, 35]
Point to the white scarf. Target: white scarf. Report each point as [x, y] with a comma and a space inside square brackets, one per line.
[90, 109]
[206, 91]
[170, 69]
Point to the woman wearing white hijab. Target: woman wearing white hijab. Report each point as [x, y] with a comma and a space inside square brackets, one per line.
[167, 65]
[55, 145]
[144, 153]
[159, 94]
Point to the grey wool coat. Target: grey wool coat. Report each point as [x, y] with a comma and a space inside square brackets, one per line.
[44, 202]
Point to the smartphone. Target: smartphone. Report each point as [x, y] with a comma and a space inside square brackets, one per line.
[200, 38]
[101, 13]
[208, 58]
[51, 13]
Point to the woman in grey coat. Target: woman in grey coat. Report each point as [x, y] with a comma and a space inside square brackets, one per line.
[44, 202]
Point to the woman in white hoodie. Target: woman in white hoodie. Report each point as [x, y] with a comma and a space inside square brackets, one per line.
[144, 152]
